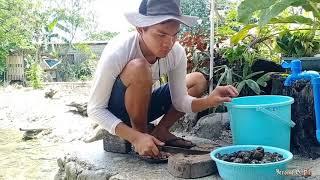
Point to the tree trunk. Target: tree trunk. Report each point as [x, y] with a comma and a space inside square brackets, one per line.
[303, 135]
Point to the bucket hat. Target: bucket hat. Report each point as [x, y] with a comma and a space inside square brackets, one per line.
[152, 12]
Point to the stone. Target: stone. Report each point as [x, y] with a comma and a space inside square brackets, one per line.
[80, 108]
[95, 174]
[115, 144]
[211, 126]
[50, 93]
[71, 170]
[191, 166]
[98, 134]
[186, 123]
[60, 163]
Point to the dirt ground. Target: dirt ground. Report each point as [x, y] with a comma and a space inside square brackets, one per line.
[29, 109]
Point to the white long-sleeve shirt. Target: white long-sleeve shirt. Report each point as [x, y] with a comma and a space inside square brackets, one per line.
[114, 57]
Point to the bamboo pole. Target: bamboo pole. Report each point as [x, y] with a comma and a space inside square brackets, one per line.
[211, 44]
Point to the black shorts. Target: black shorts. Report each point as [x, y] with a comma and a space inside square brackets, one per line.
[159, 105]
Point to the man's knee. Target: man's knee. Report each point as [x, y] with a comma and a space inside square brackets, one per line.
[198, 82]
[137, 71]
[201, 82]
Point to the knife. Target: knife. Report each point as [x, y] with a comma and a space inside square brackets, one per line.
[173, 149]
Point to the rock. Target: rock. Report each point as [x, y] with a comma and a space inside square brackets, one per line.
[94, 174]
[81, 108]
[72, 170]
[186, 123]
[99, 133]
[50, 93]
[33, 133]
[211, 126]
[60, 164]
[112, 143]
[191, 166]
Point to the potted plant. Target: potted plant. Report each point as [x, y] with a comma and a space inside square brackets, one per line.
[300, 45]
[238, 72]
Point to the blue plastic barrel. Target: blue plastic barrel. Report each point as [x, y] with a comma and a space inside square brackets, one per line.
[261, 120]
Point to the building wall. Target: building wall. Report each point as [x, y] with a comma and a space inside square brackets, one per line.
[78, 56]
[75, 56]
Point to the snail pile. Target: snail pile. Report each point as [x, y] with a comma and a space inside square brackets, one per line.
[255, 156]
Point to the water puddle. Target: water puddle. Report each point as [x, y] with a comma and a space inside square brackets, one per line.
[34, 159]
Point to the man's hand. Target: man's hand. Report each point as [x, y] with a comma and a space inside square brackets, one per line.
[221, 94]
[146, 145]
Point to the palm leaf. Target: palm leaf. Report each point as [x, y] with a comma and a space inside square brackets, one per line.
[240, 85]
[222, 77]
[253, 85]
[262, 81]
[253, 74]
[229, 77]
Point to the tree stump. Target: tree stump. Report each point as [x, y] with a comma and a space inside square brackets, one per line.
[303, 135]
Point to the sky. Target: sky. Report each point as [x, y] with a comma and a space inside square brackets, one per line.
[110, 16]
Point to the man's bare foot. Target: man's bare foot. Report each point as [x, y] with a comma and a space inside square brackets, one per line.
[170, 139]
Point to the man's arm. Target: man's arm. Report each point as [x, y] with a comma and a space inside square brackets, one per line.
[218, 96]
[200, 104]
[185, 103]
[109, 67]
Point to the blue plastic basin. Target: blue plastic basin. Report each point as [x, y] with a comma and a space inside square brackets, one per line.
[237, 171]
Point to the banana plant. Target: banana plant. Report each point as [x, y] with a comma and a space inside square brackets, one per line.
[268, 12]
[269, 9]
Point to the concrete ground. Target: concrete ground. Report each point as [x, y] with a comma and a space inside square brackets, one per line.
[90, 161]
[27, 108]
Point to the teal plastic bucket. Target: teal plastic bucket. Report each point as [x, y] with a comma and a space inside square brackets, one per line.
[237, 171]
[261, 120]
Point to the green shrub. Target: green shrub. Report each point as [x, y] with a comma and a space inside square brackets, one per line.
[34, 76]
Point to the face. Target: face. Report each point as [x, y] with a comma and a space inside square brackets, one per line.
[160, 38]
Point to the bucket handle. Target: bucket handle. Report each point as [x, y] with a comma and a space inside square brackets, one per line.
[266, 111]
